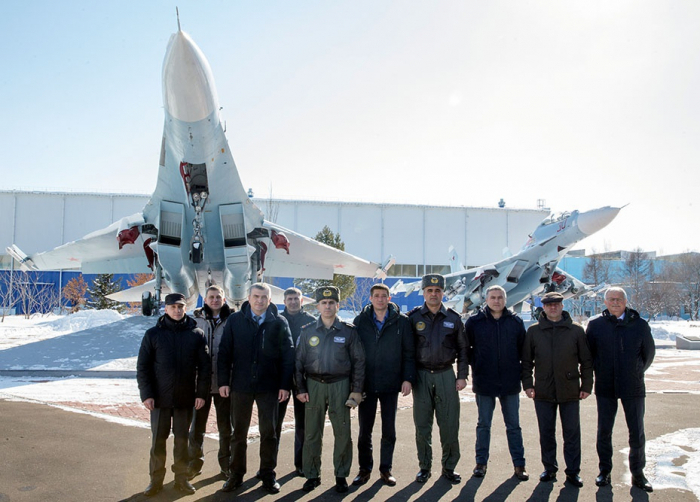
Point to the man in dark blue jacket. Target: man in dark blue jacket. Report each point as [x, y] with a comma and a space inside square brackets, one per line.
[390, 368]
[173, 371]
[496, 338]
[255, 365]
[623, 349]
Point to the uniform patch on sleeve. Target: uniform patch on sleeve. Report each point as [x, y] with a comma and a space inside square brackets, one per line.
[448, 324]
[339, 339]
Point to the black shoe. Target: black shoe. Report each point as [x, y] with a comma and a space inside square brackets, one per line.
[388, 478]
[642, 482]
[479, 471]
[153, 489]
[257, 475]
[184, 486]
[232, 483]
[575, 480]
[548, 476]
[361, 478]
[271, 486]
[451, 476]
[341, 485]
[299, 472]
[603, 479]
[520, 473]
[311, 484]
[423, 475]
[225, 473]
[191, 474]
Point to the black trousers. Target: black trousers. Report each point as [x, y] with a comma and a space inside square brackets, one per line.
[634, 415]
[367, 414]
[161, 419]
[241, 412]
[199, 427]
[571, 432]
[299, 414]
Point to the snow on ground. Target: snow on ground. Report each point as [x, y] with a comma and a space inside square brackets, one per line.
[16, 330]
[673, 461]
[62, 390]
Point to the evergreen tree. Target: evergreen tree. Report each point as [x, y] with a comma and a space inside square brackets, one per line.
[345, 283]
[103, 285]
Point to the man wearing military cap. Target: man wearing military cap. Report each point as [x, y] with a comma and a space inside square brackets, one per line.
[330, 371]
[557, 350]
[173, 371]
[440, 339]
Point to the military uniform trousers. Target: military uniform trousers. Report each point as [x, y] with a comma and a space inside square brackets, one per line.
[331, 397]
[161, 419]
[435, 395]
[199, 428]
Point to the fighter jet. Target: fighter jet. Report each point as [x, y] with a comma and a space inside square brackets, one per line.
[199, 227]
[531, 271]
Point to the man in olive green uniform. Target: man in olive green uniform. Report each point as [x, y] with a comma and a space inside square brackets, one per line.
[330, 371]
[440, 339]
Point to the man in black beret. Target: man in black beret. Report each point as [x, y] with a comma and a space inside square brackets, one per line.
[173, 371]
[557, 350]
[330, 374]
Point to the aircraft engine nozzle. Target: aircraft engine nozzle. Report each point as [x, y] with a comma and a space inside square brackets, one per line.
[189, 93]
[589, 222]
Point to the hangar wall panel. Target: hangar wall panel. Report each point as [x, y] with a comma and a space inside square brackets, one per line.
[39, 222]
[486, 236]
[403, 233]
[443, 228]
[86, 214]
[361, 230]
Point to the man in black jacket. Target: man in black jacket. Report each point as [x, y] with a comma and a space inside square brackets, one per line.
[556, 349]
[390, 368]
[211, 319]
[297, 318]
[173, 372]
[622, 349]
[439, 336]
[256, 362]
[496, 338]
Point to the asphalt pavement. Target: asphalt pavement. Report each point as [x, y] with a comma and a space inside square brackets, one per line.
[48, 453]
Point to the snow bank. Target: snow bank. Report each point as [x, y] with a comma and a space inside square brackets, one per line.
[673, 461]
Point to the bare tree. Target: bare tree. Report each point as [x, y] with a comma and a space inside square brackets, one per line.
[637, 273]
[7, 296]
[597, 270]
[360, 297]
[74, 291]
[273, 208]
[686, 272]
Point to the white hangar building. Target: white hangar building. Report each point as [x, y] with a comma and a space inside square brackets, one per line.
[417, 236]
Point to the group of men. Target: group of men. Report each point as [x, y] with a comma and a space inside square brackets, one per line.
[327, 366]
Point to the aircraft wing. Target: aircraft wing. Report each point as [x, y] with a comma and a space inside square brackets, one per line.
[96, 253]
[301, 256]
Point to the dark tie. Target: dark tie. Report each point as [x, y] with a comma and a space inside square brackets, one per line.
[256, 318]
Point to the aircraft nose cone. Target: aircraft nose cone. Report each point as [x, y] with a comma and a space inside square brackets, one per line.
[189, 93]
[591, 221]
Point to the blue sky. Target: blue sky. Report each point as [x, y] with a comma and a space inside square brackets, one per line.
[583, 104]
